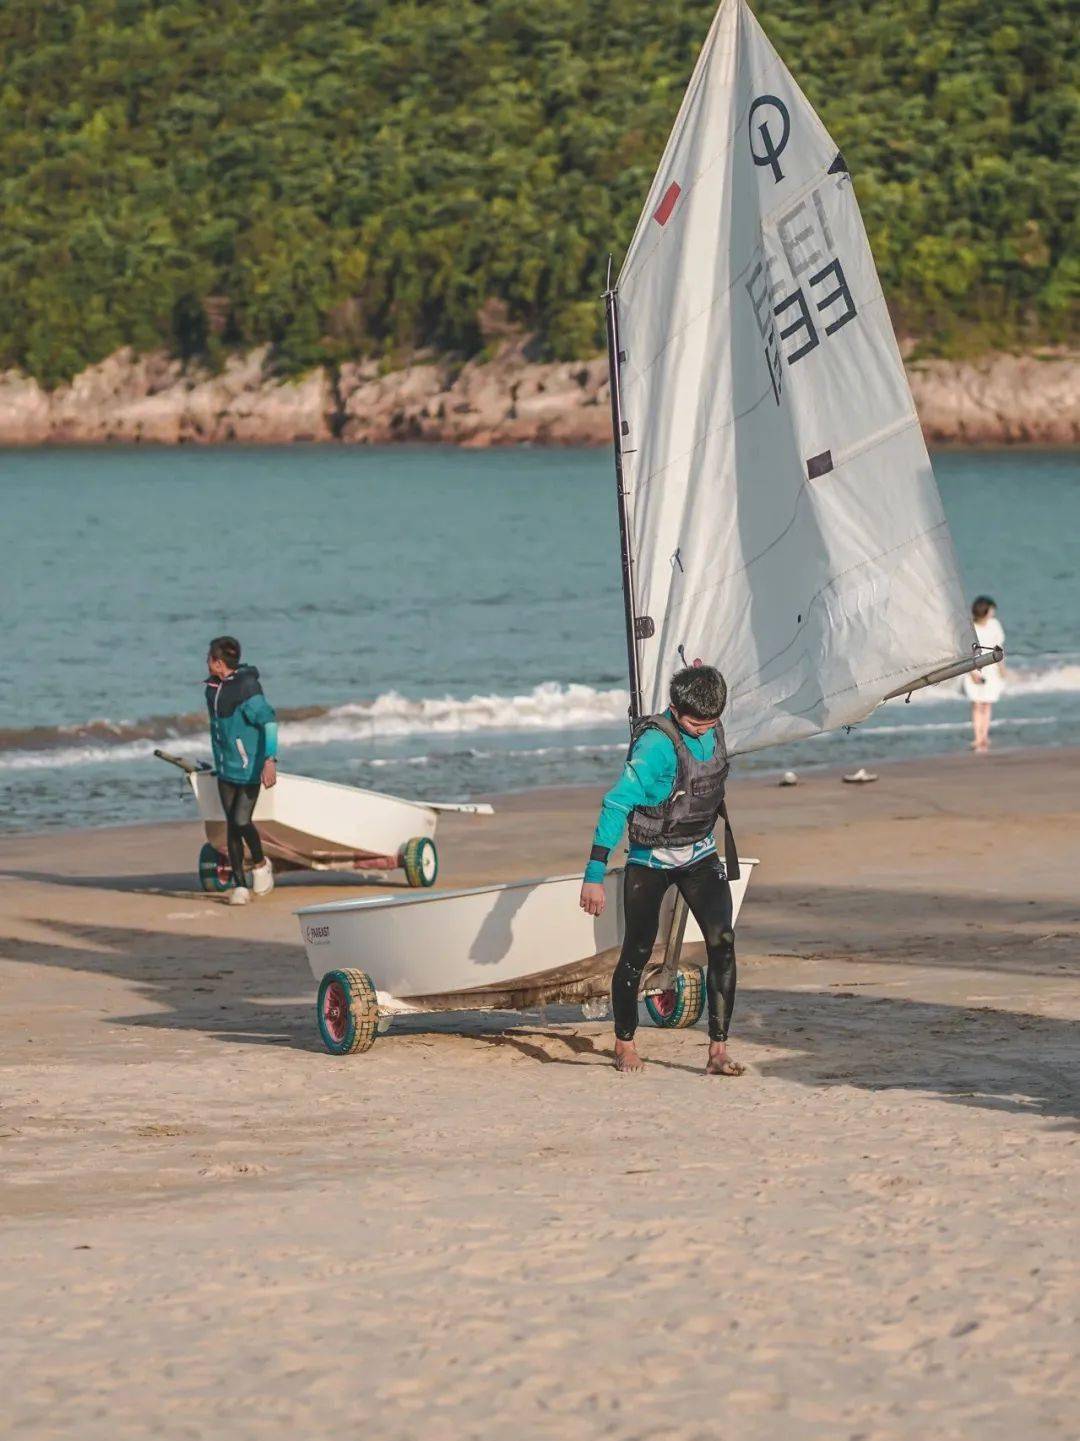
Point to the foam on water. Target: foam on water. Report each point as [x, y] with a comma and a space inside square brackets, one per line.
[1024, 678]
[547, 707]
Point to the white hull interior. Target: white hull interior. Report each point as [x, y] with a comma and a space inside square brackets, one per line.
[486, 946]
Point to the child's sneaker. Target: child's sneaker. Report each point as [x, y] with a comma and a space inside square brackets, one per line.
[239, 896]
[262, 878]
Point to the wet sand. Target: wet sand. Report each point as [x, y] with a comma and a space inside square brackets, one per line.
[213, 1229]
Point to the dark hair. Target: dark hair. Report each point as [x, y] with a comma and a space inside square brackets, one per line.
[699, 691]
[226, 648]
[981, 606]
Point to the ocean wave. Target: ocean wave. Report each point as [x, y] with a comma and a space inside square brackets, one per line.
[392, 716]
[1021, 679]
[64, 757]
[101, 730]
[550, 706]
[1041, 680]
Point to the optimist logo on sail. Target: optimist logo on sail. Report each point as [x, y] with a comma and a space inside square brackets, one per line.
[770, 150]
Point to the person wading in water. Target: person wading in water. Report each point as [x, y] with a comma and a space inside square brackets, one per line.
[243, 734]
[671, 793]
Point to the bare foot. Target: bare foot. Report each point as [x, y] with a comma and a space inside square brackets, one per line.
[720, 1063]
[627, 1058]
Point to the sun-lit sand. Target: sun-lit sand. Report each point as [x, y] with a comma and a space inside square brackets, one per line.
[213, 1229]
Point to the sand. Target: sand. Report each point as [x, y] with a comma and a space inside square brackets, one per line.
[213, 1229]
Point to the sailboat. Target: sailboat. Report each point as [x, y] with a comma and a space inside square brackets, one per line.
[778, 518]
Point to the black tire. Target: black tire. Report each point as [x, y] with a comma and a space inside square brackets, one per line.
[420, 861]
[681, 1006]
[347, 1012]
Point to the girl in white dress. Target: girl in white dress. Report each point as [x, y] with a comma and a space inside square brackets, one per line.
[984, 687]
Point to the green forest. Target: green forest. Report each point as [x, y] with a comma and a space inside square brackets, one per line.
[348, 178]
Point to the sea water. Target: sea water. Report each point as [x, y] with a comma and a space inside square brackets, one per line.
[433, 622]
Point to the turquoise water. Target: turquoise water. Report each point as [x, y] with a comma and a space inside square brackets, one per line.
[430, 622]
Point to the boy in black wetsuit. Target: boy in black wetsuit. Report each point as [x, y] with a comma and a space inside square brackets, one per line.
[671, 794]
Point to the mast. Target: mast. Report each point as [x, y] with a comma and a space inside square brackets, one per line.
[674, 942]
[618, 430]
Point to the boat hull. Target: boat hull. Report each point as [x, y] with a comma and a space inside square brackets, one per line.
[319, 824]
[510, 946]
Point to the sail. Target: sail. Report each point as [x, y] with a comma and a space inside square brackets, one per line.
[783, 516]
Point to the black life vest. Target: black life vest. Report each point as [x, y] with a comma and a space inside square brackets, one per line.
[696, 802]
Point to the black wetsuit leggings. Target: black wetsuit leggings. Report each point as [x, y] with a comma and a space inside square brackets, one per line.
[238, 802]
[705, 889]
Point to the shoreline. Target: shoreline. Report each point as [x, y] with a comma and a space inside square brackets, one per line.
[572, 792]
[507, 400]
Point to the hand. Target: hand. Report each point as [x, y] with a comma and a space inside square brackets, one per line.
[593, 898]
[269, 773]
[977, 678]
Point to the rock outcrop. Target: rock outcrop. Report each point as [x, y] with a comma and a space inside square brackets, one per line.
[1000, 399]
[155, 399]
[507, 400]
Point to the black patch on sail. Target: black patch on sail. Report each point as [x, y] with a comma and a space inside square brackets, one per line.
[819, 465]
[839, 165]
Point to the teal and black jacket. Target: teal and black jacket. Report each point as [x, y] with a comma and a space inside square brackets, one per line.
[243, 726]
[647, 780]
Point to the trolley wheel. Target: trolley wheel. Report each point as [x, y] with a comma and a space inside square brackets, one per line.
[347, 1012]
[215, 873]
[420, 861]
[683, 1004]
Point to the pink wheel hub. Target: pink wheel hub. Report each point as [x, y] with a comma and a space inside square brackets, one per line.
[336, 1010]
[665, 1003]
[224, 871]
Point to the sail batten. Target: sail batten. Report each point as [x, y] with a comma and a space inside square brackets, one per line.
[782, 514]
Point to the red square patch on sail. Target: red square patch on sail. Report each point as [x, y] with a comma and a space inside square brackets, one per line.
[663, 211]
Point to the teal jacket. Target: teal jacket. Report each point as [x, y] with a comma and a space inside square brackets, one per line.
[647, 780]
[243, 726]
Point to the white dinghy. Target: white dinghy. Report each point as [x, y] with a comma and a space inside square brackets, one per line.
[779, 519]
[308, 824]
[491, 947]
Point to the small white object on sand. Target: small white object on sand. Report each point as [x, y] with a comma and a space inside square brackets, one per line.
[861, 777]
[789, 778]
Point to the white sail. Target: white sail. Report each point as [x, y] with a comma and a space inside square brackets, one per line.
[784, 519]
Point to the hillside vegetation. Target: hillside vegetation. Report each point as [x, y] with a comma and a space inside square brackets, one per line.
[345, 177]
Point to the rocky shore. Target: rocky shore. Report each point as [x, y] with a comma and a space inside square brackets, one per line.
[506, 400]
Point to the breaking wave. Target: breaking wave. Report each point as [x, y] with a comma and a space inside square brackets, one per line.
[1042, 680]
[1023, 679]
[547, 707]
[392, 716]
